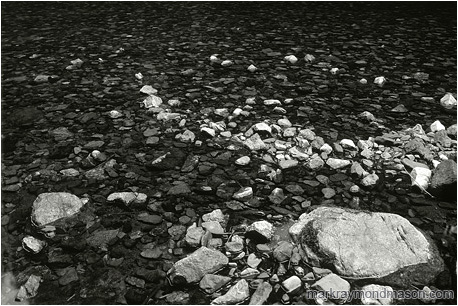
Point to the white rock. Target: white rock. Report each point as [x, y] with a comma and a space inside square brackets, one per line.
[437, 126]
[262, 127]
[284, 123]
[114, 114]
[309, 58]
[128, 197]
[226, 63]
[370, 180]
[244, 194]
[380, 80]
[49, 207]
[166, 116]
[263, 228]
[243, 161]
[334, 70]
[377, 295]
[214, 58]
[363, 81]
[139, 76]
[326, 149]
[348, 144]
[448, 101]
[215, 215]
[291, 58]
[291, 284]
[149, 90]
[29, 289]
[32, 244]
[272, 102]
[208, 131]
[236, 294]
[421, 177]
[152, 101]
[252, 68]
[336, 163]
[261, 294]
[335, 287]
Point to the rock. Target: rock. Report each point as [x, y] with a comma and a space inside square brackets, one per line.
[295, 189]
[400, 109]
[24, 116]
[179, 189]
[29, 289]
[261, 294]
[149, 90]
[348, 144]
[336, 163]
[379, 80]
[215, 215]
[236, 294]
[252, 68]
[283, 251]
[377, 295]
[187, 137]
[326, 149]
[291, 59]
[243, 194]
[150, 219]
[437, 126]
[68, 275]
[357, 169]
[262, 127]
[194, 236]
[272, 102]
[334, 287]
[284, 123]
[213, 227]
[127, 198]
[277, 196]
[178, 298]
[61, 133]
[370, 180]
[243, 161]
[49, 207]
[192, 268]
[101, 239]
[234, 247]
[291, 284]
[255, 143]
[328, 192]
[386, 246]
[213, 282]
[448, 101]
[260, 230]
[253, 261]
[451, 130]
[32, 244]
[442, 138]
[443, 181]
[315, 163]
[420, 177]
[412, 164]
[368, 116]
[208, 131]
[288, 163]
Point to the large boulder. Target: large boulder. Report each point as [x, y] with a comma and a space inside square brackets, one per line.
[52, 206]
[191, 269]
[443, 182]
[364, 245]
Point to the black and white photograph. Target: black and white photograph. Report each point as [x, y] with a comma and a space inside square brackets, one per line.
[228, 152]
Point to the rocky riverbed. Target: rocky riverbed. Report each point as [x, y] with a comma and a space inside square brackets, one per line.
[171, 153]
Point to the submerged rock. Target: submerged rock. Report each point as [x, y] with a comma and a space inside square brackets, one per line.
[367, 245]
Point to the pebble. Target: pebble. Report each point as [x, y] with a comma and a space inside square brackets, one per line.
[336, 163]
[291, 284]
[243, 161]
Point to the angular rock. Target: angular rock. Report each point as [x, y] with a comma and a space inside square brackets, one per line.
[194, 236]
[29, 289]
[291, 284]
[260, 230]
[443, 181]
[261, 294]
[448, 101]
[277, 196]
[420, 177]
[262, 127]
[213, 282]
[283, 251]
[336, 163]
[216, 215]
[377, 295]
[243, 161]
[436, 126]
[315, 163]
[101, 239]
[367, 245]
[288, 163]
[236, 294]
[213, 227]
[192, 268]
[370, 180]
[49, 207]
[244, 194]
[32, 244]
[255, 143]
[334, 287]
[127, 197]
[348, 144]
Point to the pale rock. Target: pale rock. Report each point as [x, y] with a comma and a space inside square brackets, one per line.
[29, 289]
[261, 294]
[128, 197]
[277, 196]
[335, 287]
[236, 294]
[348, 144]
[298, 153]
[252, 68]
[283, 251]
[187, 137]
[32, 244]
[400, 109]
[291, 284]
[210, 132]
[255, 143]
[326, 149]
[253, 261]
[287, 163]
[215, 215]
[152, 101]
[421, 177]
[437, 126]
[49, 207]
[272, 102]
[448, 101]
[328, 192]
[290, 132]
[379, 81]
[262, 127]
[309, 58]
[213, 282]
[284, 123]
[213, 227]
[291, 59]
[370, 180]
[386, 246]
[261, 228]
[243, 161]
[166, 116]
[377, 295]
[192, 268]
[226, 63]
[336, 163]
[244, 194]
[149, 90]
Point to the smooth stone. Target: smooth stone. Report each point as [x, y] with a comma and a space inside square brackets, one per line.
[243, 161]
[288, 163]
[336, 163]
[236, 294]
[334, 286]
[377, 295]
[49, 207]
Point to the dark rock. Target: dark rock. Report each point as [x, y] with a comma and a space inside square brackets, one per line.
[443, 181]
